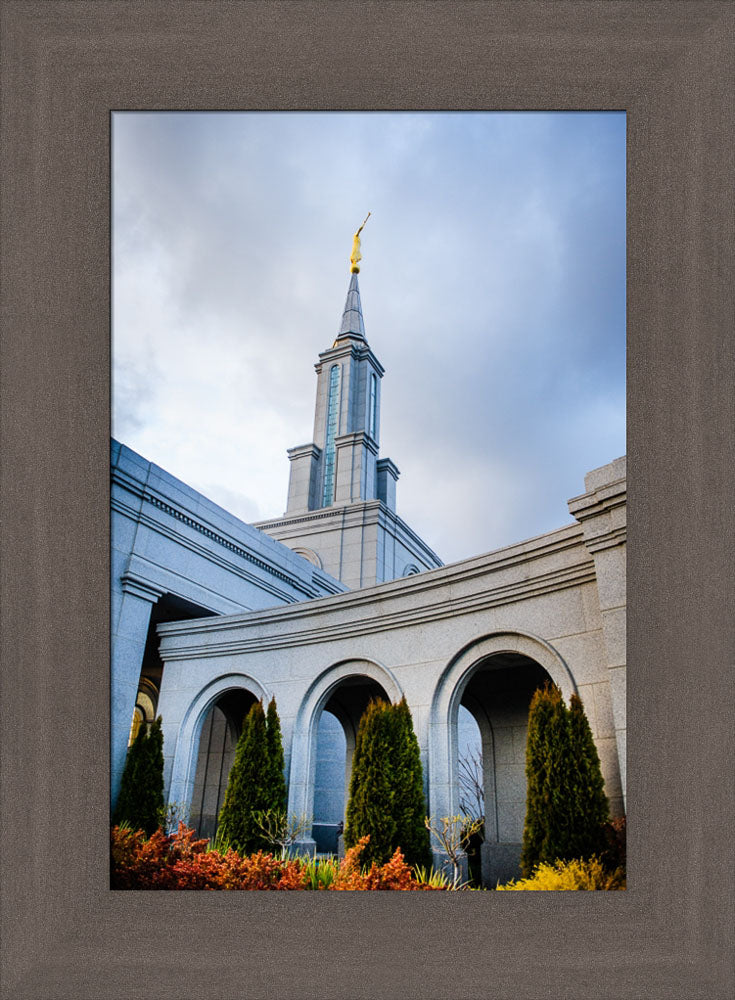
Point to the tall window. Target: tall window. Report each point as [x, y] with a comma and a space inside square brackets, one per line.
[332, 416]
[373, 421]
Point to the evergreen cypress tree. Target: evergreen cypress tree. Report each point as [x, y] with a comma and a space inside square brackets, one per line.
[276, 781]
[410, 806]
[537, 766]
[559, 791]
[371, 805]
[591, 805]
[140, 802]
[565, 802]
[126, 799]
[247, 786]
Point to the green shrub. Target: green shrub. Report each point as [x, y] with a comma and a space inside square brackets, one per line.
[370, 809]
[566, 807]
[545, 800]
[275, 781]
[409, 804]
[256, 785]
[247, 789]
[386, 795]
[140, 802]
[569, 875]
[591, 810]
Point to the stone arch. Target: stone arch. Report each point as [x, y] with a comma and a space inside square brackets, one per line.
[448, 696]
[184, 765]
[146, 702]
[310, 555]
[303, 755]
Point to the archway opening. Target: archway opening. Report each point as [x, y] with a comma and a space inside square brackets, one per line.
[335, 744]
[497, 695]
[221, 730]
[471, 784]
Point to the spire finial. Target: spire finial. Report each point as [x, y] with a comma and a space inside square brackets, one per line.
[356, 256]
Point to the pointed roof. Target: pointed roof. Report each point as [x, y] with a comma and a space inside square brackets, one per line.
[352, 323]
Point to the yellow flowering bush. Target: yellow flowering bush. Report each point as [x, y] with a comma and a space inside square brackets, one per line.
[569, 875]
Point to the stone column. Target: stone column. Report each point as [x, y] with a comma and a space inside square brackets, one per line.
[387, 473]
[128, 646]
[301, 782]
[304, 479]
[602, 513]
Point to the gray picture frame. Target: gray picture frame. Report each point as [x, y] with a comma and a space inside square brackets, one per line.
[65, 67]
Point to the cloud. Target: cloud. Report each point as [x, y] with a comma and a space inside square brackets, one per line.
[493, 287]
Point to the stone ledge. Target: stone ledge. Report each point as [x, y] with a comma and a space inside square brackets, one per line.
[140, 587]
[174, 633]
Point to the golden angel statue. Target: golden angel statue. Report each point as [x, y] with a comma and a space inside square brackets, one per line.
[356, 256]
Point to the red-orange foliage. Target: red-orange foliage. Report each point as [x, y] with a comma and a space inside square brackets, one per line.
[394, 874]
[177, 861]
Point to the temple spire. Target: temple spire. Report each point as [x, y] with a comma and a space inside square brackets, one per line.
[352, 322]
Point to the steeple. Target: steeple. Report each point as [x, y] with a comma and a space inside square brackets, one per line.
[352, 322]
[341, 511]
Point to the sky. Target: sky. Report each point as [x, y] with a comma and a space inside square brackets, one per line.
[492, 286]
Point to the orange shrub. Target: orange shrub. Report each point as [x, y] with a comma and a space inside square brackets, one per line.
[394, 874]
[138, 862]
[177, 861]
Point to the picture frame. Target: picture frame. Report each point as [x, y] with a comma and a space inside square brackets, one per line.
[66, 67]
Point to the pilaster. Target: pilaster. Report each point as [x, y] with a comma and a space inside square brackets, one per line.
[355, 474]
[602, 513]
[387, 477]
[304, 478]
[128, 647]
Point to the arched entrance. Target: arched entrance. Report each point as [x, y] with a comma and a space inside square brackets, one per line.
[324, 742]
[494, 680]
[498, 695]
[336, 738]
[221, 730]
[204, 742]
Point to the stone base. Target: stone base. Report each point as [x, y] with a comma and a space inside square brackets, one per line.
[500, 863]
[306, 845]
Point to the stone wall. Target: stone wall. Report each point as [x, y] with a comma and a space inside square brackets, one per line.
[431, 637]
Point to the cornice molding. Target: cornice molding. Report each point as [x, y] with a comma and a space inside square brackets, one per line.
[138, 586]
[422, 586]
[310, 450]
[307, 588]
[388, 465]
[606, 540]
[598, 501]
[594, 511]
[359, 512]
[356, 438]
[308, 632]
[320, 514]
[359, 351]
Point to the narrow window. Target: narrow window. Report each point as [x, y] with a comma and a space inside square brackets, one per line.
[332, 416]
[372, 423]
